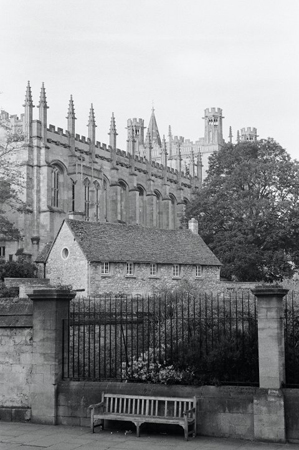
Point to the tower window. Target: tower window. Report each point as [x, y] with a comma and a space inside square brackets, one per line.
[2, 252]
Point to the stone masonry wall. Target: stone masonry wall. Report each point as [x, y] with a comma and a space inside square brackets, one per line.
[71, 271]
[142, 282]
[15, 358]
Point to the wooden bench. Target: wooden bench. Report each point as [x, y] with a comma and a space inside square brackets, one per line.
[145, 409]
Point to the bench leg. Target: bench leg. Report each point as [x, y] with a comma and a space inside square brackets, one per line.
[91, 421]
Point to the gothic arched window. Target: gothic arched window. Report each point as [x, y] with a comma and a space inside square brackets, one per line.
[159, 211]
[87, 199]
[97, 201]
[55, 182]
[141, 203]
[123, 201]
[73, 205]
[105, 200]
[172, 218]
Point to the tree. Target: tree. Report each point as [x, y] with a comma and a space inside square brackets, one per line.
[11, 181]
[248, 211]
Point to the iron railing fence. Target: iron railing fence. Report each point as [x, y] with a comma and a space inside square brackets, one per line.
[291, 335]
[204, 339]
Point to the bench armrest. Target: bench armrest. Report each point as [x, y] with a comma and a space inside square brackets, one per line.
[189, 411]
[96, 405]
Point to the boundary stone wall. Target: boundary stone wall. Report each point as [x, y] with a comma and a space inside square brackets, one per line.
[16, 335]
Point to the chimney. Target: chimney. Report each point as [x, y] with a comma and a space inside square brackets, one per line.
[193, 225]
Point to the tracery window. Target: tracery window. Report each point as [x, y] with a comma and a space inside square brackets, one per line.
[123, 202]
[172, 212]
[141, 199]
[105, 200]
[73, 195]
[159, 211]
[87, 199]
[97, 201]
[55, 186]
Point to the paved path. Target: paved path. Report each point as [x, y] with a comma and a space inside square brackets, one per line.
[23, 436]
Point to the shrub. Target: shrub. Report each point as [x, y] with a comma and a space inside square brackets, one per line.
[17, 269]
[145, 369]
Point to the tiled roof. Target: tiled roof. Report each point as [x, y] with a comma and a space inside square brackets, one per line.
[121, 243]
[43, 255]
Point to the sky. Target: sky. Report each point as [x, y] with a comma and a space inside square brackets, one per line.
[180, 56]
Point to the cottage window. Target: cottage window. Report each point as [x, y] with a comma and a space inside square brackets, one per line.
[65, 253]
[153, 269]
[105, 268]
[2, 252]
[198, 271]
[130, 269]
[175, 270]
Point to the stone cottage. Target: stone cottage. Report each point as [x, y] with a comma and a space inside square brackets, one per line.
[118, 258]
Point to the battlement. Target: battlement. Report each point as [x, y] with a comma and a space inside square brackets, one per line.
[213, 111]
[135, 122]
[249, 130]
[178, 139]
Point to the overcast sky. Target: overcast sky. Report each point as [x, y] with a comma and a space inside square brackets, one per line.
[181, 55]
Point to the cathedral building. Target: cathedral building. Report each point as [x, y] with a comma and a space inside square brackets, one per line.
[68, 176]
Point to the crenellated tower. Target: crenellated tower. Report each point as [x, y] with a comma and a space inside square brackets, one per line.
[248, 134]
[135, 131]
[213, 126]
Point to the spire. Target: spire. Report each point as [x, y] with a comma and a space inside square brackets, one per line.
[91, 119]
[28, 96]
[91, 125]
[230, 135]
[148, 144]
[43, 112]
[199, 169]
[164, 152]
[192, 164]
[153, 129]
[42, 97]
[71, 117]
[179, 158]
[28, 116]
[170, 142]
[112, 132]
